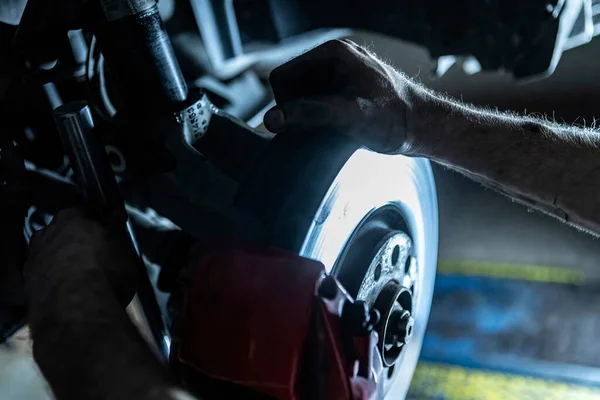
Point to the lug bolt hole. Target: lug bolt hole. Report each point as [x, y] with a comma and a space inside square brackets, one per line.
[407, 264]
[390, 372]
[395, 255]
[377, 272]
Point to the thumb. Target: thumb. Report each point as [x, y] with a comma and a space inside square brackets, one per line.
[330, 112]
[274, 120]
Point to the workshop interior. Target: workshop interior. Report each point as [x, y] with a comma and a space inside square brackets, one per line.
[150, 113]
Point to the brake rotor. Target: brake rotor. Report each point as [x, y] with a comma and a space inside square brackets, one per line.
[371, 219]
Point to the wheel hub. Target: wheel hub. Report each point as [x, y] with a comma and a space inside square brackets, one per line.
[399, 330]
[378, 268]
[395, 327]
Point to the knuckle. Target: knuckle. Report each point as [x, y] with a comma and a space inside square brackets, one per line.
[337, 46]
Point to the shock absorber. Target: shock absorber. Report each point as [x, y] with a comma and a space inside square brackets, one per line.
[133, 40]
[136, 46]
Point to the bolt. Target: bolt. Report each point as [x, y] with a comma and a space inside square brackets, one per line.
[328, 289]
[405, 328]
[374, 317]
[400, 328]
[358, 319]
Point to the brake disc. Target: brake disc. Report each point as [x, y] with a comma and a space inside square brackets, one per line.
[371, 219]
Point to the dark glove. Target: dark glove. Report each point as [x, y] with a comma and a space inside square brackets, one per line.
[73, 257]
[342, 87]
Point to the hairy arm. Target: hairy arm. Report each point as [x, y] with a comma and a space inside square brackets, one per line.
[551, 167]
[340, 86]
[79, 277]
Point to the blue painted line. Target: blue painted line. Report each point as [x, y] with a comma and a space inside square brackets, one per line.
[529, 328]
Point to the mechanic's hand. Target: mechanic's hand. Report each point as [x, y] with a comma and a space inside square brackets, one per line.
[341, 87]
[74, 255]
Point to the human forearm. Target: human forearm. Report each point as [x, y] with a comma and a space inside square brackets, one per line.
[548, 166]
[342, 87]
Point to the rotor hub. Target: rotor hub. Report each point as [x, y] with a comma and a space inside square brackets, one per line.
[395, 327]
[379, 268]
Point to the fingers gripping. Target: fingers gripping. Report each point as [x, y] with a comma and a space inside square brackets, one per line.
[309, 113]
[305, 88]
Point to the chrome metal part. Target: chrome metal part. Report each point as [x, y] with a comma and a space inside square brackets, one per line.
[372, 267]
[395, 328]
[95, 180]
[195, 119]
[89, 163]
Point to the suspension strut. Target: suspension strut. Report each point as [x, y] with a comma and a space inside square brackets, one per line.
[137, 47]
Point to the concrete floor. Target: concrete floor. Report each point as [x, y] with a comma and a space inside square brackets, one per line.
[19, 376]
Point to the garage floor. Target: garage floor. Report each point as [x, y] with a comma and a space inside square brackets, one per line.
[515, 310]
[19, 376]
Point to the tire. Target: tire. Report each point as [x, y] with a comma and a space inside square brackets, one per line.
[312, 193]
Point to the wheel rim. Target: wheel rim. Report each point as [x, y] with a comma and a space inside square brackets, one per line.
[394, 197]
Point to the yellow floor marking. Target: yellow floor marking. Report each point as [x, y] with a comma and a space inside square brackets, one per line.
[449, 382]
[536, 273]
